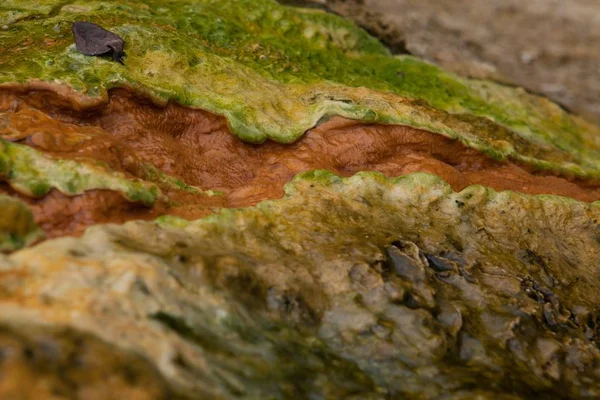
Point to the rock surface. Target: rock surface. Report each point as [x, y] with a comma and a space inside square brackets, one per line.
[340, 285]
[106, 148]
[356, 288]
[312, 65]
[547, 46]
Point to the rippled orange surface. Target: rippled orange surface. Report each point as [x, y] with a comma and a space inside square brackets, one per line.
[198, 148]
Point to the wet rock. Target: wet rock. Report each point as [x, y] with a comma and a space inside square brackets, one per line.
[243, 314]
[405, 266]
[356, 287]
[440, 264]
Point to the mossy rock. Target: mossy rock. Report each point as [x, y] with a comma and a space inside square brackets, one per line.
[275, 71]
[362, 288]
[366, 287]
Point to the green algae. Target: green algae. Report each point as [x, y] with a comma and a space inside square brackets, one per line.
[165, 181]
[12, 11]
[275, 71]
[153, 174]
[34, 174]
[362, 288]
[17, 227]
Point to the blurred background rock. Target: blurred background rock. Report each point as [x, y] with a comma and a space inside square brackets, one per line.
[549, 47]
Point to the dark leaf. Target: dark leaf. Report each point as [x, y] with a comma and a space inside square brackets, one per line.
[93, 40]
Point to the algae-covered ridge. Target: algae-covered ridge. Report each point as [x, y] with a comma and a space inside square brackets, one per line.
[275, 71]
[358, 288]
[34, 174]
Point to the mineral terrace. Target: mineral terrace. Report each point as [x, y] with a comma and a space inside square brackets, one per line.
[263, 203]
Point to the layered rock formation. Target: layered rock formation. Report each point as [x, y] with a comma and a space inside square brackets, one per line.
[439, 239]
